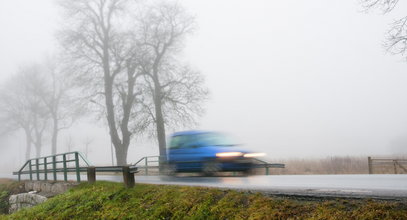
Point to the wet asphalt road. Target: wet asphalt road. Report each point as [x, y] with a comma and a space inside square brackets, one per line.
[348, 186]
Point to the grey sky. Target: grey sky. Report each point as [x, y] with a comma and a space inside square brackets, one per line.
[290, 78]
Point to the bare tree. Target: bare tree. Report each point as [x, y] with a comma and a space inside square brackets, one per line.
[173, 92]
[69, 143]
[22, 109]
[34, 80]
[396, 38]
[56, 95]
[87, 141]
[97, 41]
[15, 111]
[127, 61]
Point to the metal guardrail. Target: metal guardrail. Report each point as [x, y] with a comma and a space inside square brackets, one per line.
[60, 163]
[52, 164]
[396, 163]
[41, 165]
[146, 163]
[153, 162]
[267, 165]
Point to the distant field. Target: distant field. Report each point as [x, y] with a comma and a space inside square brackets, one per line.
[5, 181]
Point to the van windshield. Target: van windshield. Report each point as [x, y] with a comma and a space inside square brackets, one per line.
[214, 139]
[205, 139]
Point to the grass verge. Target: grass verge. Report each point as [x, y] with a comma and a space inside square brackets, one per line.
[7, 188]
[105, 200]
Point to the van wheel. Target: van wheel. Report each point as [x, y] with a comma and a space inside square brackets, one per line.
[170, 169]
[210, 168]
[249, 172]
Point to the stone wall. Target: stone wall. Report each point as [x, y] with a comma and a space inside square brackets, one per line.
[25, 200]
[38, 192]
[48, 188]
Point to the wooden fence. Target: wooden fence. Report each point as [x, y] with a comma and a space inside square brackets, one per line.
[398, 166]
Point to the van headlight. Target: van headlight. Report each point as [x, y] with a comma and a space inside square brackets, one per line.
[229, 154]
[254, 155]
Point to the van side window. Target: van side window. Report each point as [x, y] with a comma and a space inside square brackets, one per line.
[177, 141]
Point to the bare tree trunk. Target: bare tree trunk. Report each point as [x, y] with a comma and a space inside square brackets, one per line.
[121, 150]
[121, 159]
[37, 150]
[38, 136]
[28, 144]
[54, 139]
[160, 131]
[121, 156]
[127, 102]
[159, 119]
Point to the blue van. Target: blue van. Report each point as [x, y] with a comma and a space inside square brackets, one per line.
[206, 152]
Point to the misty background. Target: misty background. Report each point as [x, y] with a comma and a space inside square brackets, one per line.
[292, 79]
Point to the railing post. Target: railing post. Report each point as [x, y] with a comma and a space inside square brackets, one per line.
[78, 173]
[45, 169]
[91, 174]
[369, 163]
[146, 166]
[395, 167]
[19, 176]
[54, 167]
[162, 161]
[37, 168]
[128, 177]
[64, 163]
[30, 169]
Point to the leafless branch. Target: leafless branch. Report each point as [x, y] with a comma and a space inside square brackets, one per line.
[385, 5]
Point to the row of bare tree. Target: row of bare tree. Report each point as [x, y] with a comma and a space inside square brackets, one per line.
[124, 58]
[38, 99]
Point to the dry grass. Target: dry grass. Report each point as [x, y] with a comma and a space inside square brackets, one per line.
[6, 181]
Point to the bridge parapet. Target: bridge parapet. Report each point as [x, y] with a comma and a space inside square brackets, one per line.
[62, 163]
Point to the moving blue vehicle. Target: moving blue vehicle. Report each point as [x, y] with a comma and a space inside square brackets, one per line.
[207, 152]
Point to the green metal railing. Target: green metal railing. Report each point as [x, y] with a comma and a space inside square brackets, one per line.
[52, 165]
[146, 163]
[61, 163]
[153, 162]
[264, 164]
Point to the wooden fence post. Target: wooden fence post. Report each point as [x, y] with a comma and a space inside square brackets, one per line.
[31, 172]
[45, 169]
[54, 167]
[128, 177]
[37, 168]
[146, 166]
[77, 168]
[91, 174]
[64, 164]
[369, 163]
[395, 166]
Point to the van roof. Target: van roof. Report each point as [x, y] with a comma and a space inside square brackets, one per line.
[191, 132]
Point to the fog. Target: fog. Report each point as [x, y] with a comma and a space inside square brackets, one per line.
[291, 79]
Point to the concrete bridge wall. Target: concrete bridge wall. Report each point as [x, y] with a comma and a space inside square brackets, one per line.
[38, 192]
